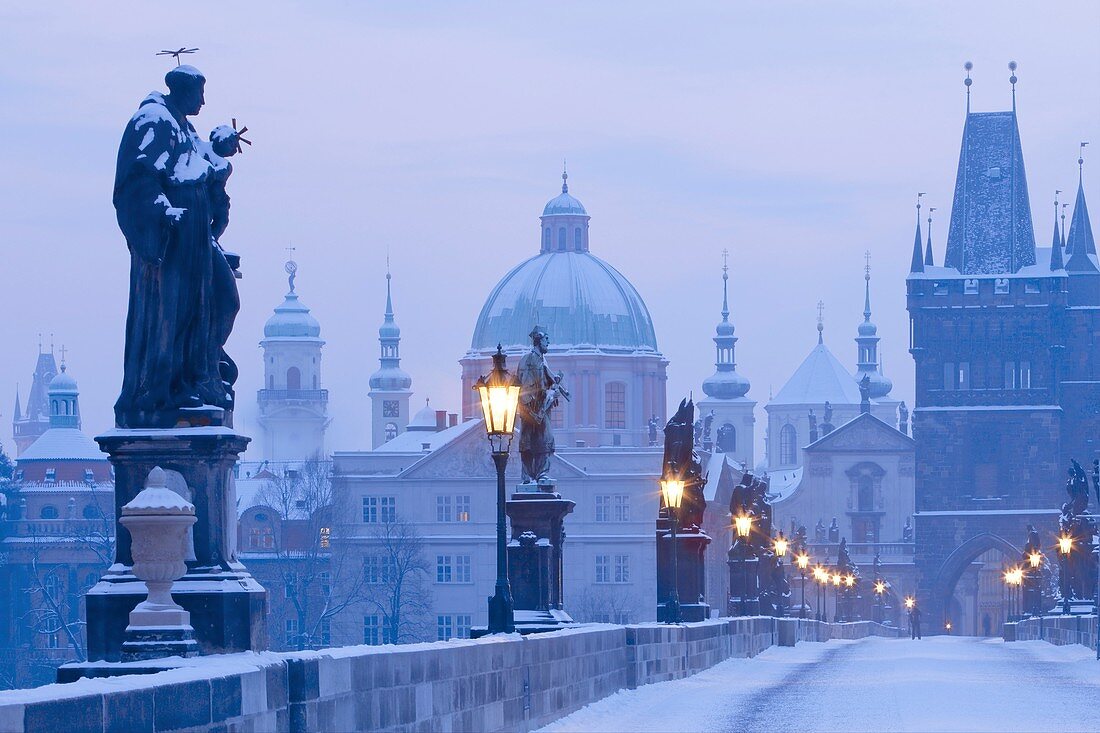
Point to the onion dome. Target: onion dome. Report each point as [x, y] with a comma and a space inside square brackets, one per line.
[725, 383]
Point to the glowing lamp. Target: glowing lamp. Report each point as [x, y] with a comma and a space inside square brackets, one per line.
[836, 580]
[1035, 559]
[802, 561]
[1065, 544]
[910, 602]
[672, 490]
[499, 399]
[743, 524]
[880, 587]
[850, 581]
[781, 545]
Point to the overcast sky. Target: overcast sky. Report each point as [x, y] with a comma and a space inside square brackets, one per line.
[794, 134]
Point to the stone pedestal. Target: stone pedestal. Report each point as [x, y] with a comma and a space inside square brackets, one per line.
[227, 607]
[691, 586]
[537, 516]
[744, 581]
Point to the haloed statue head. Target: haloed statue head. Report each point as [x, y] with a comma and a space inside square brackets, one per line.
[540, 340]
[185, 89]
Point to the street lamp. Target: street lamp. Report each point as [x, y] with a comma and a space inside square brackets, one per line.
[880, 597]
[673, 491]
[742, 524]
[1065, 547]
[910, 602]
[802, 560]
[499, 395]
[822, 577]
[837, 580]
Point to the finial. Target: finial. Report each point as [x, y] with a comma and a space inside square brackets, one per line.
[564, 177]
[820, 321]
[39, 342]
[1064, 225]
[919, 195]
[1081, 160]
[968, 66]
[928, 248]
[867, 286]
[63, 351]
[177, 53]
[51, 343]
[1012, 80]
[725, 285]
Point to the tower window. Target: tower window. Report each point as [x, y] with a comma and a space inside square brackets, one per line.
[1000, 285]
[391, 431]
[546, 239]
[315, 381]
[578, 239]
[727, 438]
[293, 378]
[788, 445]
[866, 490]
[561, 239]
[615, 406]
[970, 286]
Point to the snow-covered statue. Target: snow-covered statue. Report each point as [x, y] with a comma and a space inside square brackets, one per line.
[681, 461]
[539, 393]
[170, 201]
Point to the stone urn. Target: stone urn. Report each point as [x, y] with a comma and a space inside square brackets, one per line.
[158, 520]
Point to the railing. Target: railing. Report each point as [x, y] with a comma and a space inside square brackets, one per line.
[305, 395]
[886, 549]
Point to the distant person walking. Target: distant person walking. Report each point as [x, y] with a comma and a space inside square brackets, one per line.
[914, 622]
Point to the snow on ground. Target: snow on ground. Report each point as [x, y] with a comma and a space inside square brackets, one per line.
[938, 684]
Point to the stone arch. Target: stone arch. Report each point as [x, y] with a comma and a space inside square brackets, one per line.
[959, 560]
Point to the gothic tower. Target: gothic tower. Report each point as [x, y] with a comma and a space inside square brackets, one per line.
[732, 422]
[293, 406]
[390, 386]
[30, 423]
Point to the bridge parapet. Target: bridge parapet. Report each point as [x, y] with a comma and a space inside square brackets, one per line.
[501, 683]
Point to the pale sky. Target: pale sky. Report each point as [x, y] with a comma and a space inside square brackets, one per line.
[794, 134]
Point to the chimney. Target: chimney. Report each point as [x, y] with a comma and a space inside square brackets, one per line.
[452, 419]
[440, 420]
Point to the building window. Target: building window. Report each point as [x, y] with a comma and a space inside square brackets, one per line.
[443, 509]
[970, 286]
[788, 445]
[603, 568]
[444, 628]
[91, 511]
[391, 408]
[949, 375]
[372, 628]
[53, 641]
[291, 632]
[1000, 286]
[290, 585]
[1031, 286]
[379, 509]
[603, 508]
[578, 239]
[293, 378]
[462, 625]
[51, 474]
[444, 571]
[939, 288]
[379, 569]
[1025, 375]
[561, 239]
[866, 494]
[391, 431]
[1010, 375]
[49, 512]
[622, 568]
[462, 508]
[614, 406]
[452, 508]
[462, 568]
[964, 375]
[622, 507]
[452, 568]
[325, 579]
[326, 536]
[260, 538]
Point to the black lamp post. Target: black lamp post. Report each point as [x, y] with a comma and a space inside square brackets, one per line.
[803, 562]
[499, 398]
[821, 575]
[673, 491]
[880, 592]
[743, 525]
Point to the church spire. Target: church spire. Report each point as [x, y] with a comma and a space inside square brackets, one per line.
[18, 413]
[820, 321]
[390, 386]
[1079, 241]
[1056, 261]
[917, 264]
[928, 251]
[725, 383]
[867, 363]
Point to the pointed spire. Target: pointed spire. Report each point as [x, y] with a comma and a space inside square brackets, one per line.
[725, 286]
[917, 264]
[1079, 240]
[867, 287]
[1012, 80]
[968, 66]
[18, 411]
[389, 300]
[1056, 261]
[820, 321]
[1064, 229]
[928, 250]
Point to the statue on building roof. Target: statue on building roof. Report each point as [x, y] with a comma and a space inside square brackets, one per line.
[820, 533]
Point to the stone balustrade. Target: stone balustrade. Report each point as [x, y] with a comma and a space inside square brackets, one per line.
[1059, 630]
[496, 683]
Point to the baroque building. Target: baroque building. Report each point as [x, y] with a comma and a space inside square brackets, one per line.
[293, 406]
[1007, 377]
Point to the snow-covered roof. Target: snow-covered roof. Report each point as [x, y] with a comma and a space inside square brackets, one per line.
[413, 441]
[292, 320]
[820, 378]
[62, 444]
[782, 484]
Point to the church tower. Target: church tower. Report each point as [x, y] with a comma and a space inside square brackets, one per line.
[390, 386]
[867, 361]
[30, 423]
[732, 422]
[293, 406]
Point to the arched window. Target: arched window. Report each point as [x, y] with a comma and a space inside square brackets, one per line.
[561, 239]
[271, 381]
[727, 438]
[866, 491]
[49, 512]
[90, 511]
[578, 239]
[391, 430]
[546, 239]
[788, 445]
[293, 378]
[614, 406]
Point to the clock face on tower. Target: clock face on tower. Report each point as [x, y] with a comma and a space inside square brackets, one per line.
[391, 408]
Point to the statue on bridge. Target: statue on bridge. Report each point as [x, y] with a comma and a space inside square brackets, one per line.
[681, 461]
[1079, 574]
[539, 393]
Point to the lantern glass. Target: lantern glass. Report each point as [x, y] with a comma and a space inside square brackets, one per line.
[836, 580]
[1035, 559]
[673, 491]
[499, 396]
[803, 561]
[781, 545]
[850, 581]
[880, 587]
[910, 602]
[743, 525]
[1065, 544]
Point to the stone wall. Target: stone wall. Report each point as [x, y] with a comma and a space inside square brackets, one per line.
[505, 683]
[1059, 630]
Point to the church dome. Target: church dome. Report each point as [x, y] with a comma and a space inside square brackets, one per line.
[391, 379]
[867, 329]
[292, 320]
[725, 385]
[564, 204]
[424, 419]
[62, 383]
[578, 298]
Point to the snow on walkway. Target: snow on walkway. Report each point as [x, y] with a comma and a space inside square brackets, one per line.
[938, 684]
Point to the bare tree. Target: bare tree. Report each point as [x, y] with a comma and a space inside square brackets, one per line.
[602, 606]
[397, 581]
[319, 583]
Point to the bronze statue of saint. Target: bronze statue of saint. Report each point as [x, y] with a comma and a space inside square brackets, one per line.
[539, 393]
[183, 295]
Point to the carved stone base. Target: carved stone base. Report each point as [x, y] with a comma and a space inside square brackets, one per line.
[147, 642]
[537, 518]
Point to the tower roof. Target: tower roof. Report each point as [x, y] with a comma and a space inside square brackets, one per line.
[725, 383]
[1056, 261]
[991, 230]
[292, 318]
[820, 378]
[1080, 240]
[564, 204]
